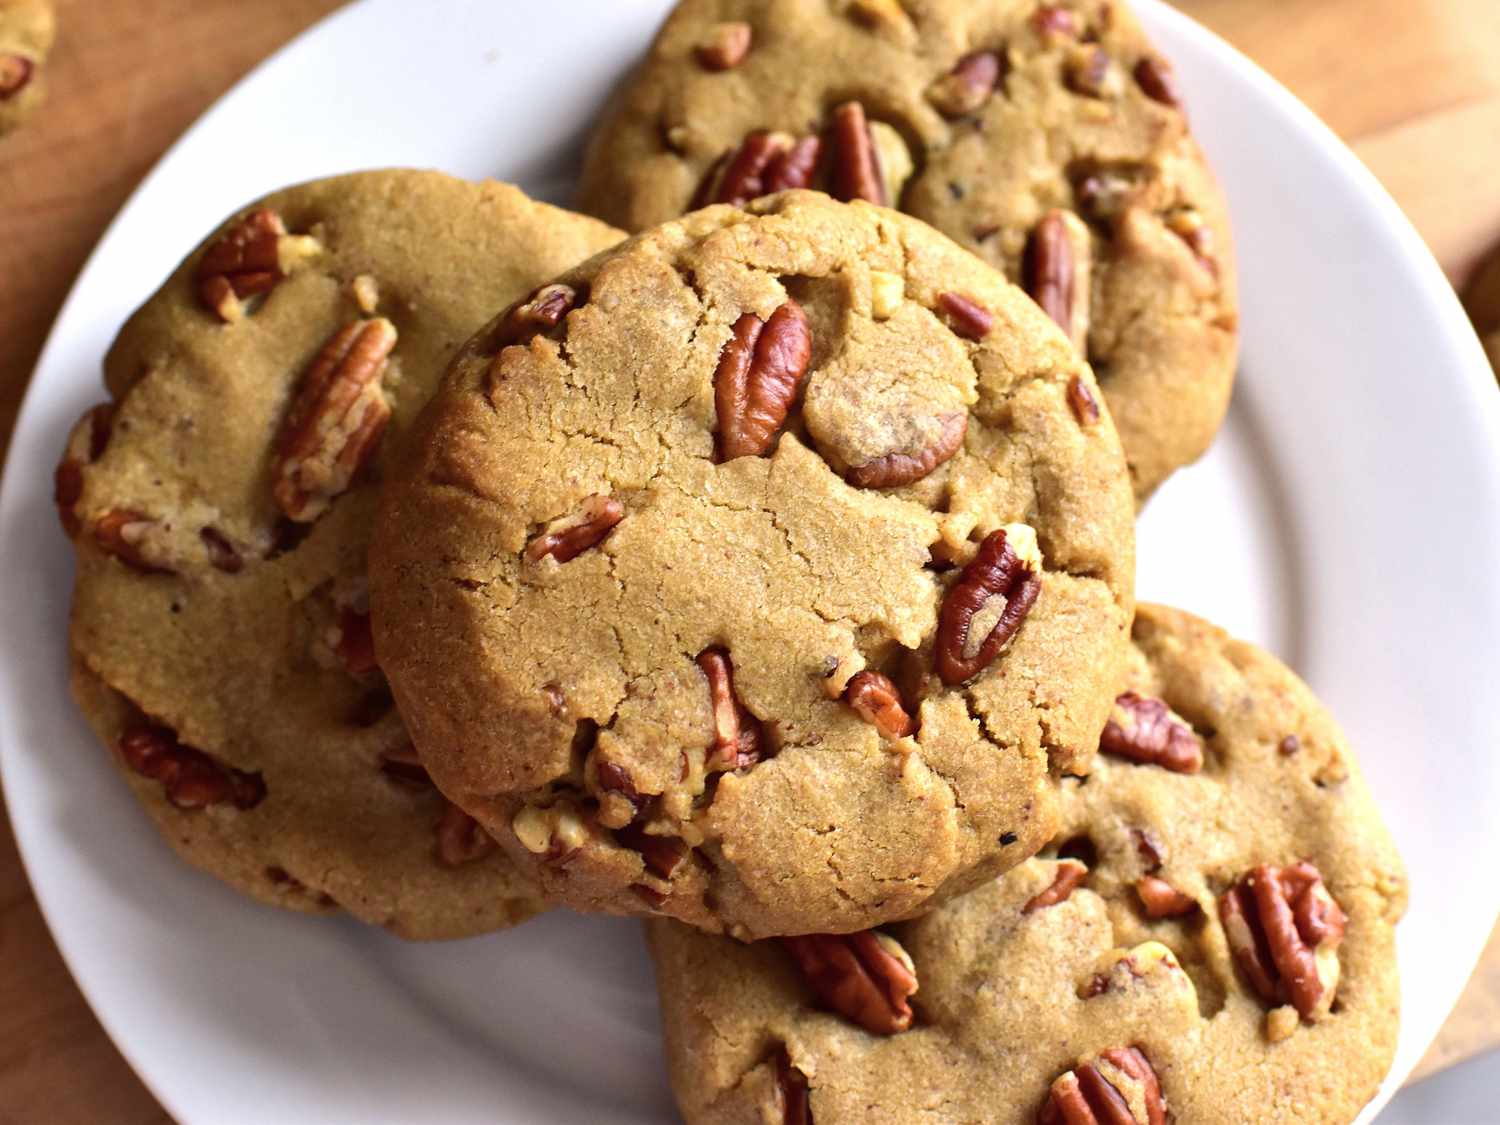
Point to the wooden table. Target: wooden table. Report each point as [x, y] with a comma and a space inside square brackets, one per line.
[1414, 85]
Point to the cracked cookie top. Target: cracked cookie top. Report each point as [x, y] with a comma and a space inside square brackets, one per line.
[221, 505]
[27, 30]
[1048, 138]
[1210, 940]
[764, 573]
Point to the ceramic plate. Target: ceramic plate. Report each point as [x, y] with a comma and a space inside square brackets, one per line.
[1347, 518]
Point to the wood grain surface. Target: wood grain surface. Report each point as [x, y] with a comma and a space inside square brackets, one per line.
[1413, 85]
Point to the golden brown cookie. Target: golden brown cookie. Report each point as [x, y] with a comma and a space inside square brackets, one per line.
[764, 573]
[1209, 939]
[221, 504]
[27, 29]
[1048, 138]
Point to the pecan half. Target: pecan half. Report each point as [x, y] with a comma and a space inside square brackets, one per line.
[1284, 930]
[553, 834]
[568, 537]
[460, 839]
[404, 766]
[965, 316]
[866, 977]
[1081, 400]
[127, 534]
[1103, 1090]
[1159, 899]
[759, 376]
[534, 315]
[248, 260]
[764, 163]
[791, 1086]
[1056, 270]
[867, 160]
[1145, 730]
[15, 75]
[968, 85]
[984, 609]
[191, 779]
[900, 468]
[1070, 875]
[726, 46]
[336, 421]
[737, 736]
[661, 854]
[1156, 80]
[86, 443]
[876, 699]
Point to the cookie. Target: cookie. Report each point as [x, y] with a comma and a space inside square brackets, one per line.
[221, 506]
[765, 573]
[27, 29]
[1482, 299]
[1050, 139]
[1209, 939]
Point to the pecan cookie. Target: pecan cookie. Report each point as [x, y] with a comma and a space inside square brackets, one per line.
[1048, 138]
[27, 29]
[221, 505]
[1209, 939]
[764, 573]
[1482, 299]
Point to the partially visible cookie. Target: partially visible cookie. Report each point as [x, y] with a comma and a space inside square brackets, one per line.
[1482, 299]
[1210, 940]
[27, 29]
[1049, 138]
[220, 506]
[765, 573]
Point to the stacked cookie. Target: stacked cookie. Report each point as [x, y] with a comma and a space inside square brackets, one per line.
[768, 575]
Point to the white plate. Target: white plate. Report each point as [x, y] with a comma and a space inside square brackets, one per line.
[1346, 518]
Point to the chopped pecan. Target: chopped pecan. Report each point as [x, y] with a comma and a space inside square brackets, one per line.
[1103, 1090]
[1056, 270]
[1145, 730]
[568, 537]
[985, 607]
[248, 260]
[614, 778]
[1160, 899]
[15, 75]
[1289, 746]
[554, 834]
[404, 765]
[759, 376]
[222, 554]
[336, 420]
[355, 644]
[899, 468]
[876, 699]
[533, 315]
[1056, 20]
[764, 163]
[128, 535]
[737, 736]
[1082, 401]
[965, 315]
[1188, 224]
[1105, 190]
[1148, 847]
[661, 854]
[1156, 80]
[866, 977]
[791, 1086]
[726, 46]
[1124, 969]
[1070, 875]
[86, 443]
[1284, 930]
[968, 85]
[649, 895]
[1088, 70]
[191, 779]
[460, 839]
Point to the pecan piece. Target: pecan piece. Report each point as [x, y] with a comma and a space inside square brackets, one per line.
[191, 779]
[899, 468]
[984, 609]
[1070, 875]
[965, 316]
[15, 75]
[867, 160]
[86, 444]
[1145, 730]
[1188, 224]
[764, 163]
[222, 554]
[1102, 1090]
[552, 834]
[791, 1086]
[1155, 78]
[662, 855]
[336, 421]
[614, 778]
[1159, 899]
[1053, 20]
[1056, 270]
[866, 977]
[534, 315]
[460, 839]
[726, 46]
[1123, 969]
[1284, 930]
[1081, 400]
[759, 376]
[567, 538]
[876, 699]
[736, 732]
[355, 643]
[248, 260]
[404, 766]
[968, 85]
[127, 534]
[1089, 71]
